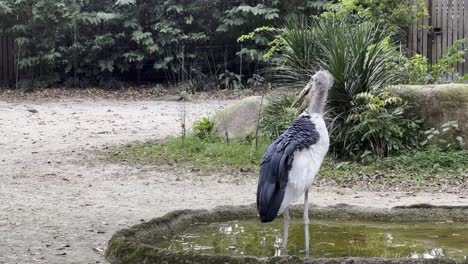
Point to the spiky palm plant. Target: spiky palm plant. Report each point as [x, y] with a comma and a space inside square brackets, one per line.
[356, 54]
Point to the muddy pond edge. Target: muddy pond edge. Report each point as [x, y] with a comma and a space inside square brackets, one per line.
[128, 246]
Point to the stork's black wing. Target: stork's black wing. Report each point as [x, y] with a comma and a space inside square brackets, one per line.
[276, 163]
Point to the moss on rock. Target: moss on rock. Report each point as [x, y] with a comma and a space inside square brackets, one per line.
[438, 104]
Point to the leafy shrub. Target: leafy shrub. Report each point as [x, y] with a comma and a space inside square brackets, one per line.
[202, 129]
[256, 80]
[413, 70]
[418, 70]
[385, 13]
[230, 80]
[278, 116]
[45, 81]
[377, 126]
[447, 137]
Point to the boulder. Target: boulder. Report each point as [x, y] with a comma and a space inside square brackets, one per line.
[240, 120]
[438, 104]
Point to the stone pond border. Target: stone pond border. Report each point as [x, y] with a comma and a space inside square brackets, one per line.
[128, 246]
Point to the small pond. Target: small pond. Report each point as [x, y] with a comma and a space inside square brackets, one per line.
[329, 239]
[416, 234]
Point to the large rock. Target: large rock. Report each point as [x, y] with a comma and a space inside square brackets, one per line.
[438, 104]
[240, 120]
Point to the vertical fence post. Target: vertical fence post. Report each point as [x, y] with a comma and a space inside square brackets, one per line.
[8, 62]
[432, 52]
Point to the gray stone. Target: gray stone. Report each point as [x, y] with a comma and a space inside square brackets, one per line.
[240, 120]
[438, 104]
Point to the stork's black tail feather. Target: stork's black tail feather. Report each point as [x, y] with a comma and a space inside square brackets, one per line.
[269, 199]
[269, 196]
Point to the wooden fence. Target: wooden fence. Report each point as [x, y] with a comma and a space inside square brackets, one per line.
[7, 61]
[432, 36]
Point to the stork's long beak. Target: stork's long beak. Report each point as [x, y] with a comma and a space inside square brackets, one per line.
[303, 94]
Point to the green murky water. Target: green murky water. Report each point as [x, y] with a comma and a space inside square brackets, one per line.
[328, 239]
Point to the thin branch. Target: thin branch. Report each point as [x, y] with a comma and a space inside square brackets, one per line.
[183, 125]
[226, 133]
[258, 124]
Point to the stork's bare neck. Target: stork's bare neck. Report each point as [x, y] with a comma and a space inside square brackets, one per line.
[319, 85]
[318, 100]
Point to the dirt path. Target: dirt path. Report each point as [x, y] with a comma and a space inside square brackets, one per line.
[60, 204]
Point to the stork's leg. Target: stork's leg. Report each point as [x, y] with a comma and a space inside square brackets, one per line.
[286, 230]
[306, 222]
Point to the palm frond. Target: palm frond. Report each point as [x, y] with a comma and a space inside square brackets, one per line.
[356, 54]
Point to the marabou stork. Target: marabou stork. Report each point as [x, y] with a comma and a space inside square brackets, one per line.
[292, 161]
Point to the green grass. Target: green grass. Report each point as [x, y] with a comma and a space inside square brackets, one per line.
[420, 168]
[205, 155]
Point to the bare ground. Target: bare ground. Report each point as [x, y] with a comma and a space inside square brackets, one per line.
[60, 203]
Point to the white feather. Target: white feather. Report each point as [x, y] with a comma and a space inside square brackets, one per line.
[306, 164]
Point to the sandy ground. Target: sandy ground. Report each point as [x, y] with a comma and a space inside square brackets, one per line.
[59, 203]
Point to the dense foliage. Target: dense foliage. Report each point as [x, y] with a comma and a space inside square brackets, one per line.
[378, 126]
[89, 42]
[393, 15]
[418, 70]
[357, 42]
[364, 120]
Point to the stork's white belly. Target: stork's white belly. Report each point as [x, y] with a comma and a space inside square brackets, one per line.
[306, 165]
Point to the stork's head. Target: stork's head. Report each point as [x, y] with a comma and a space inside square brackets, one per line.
[317, 89]
[320, 82]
